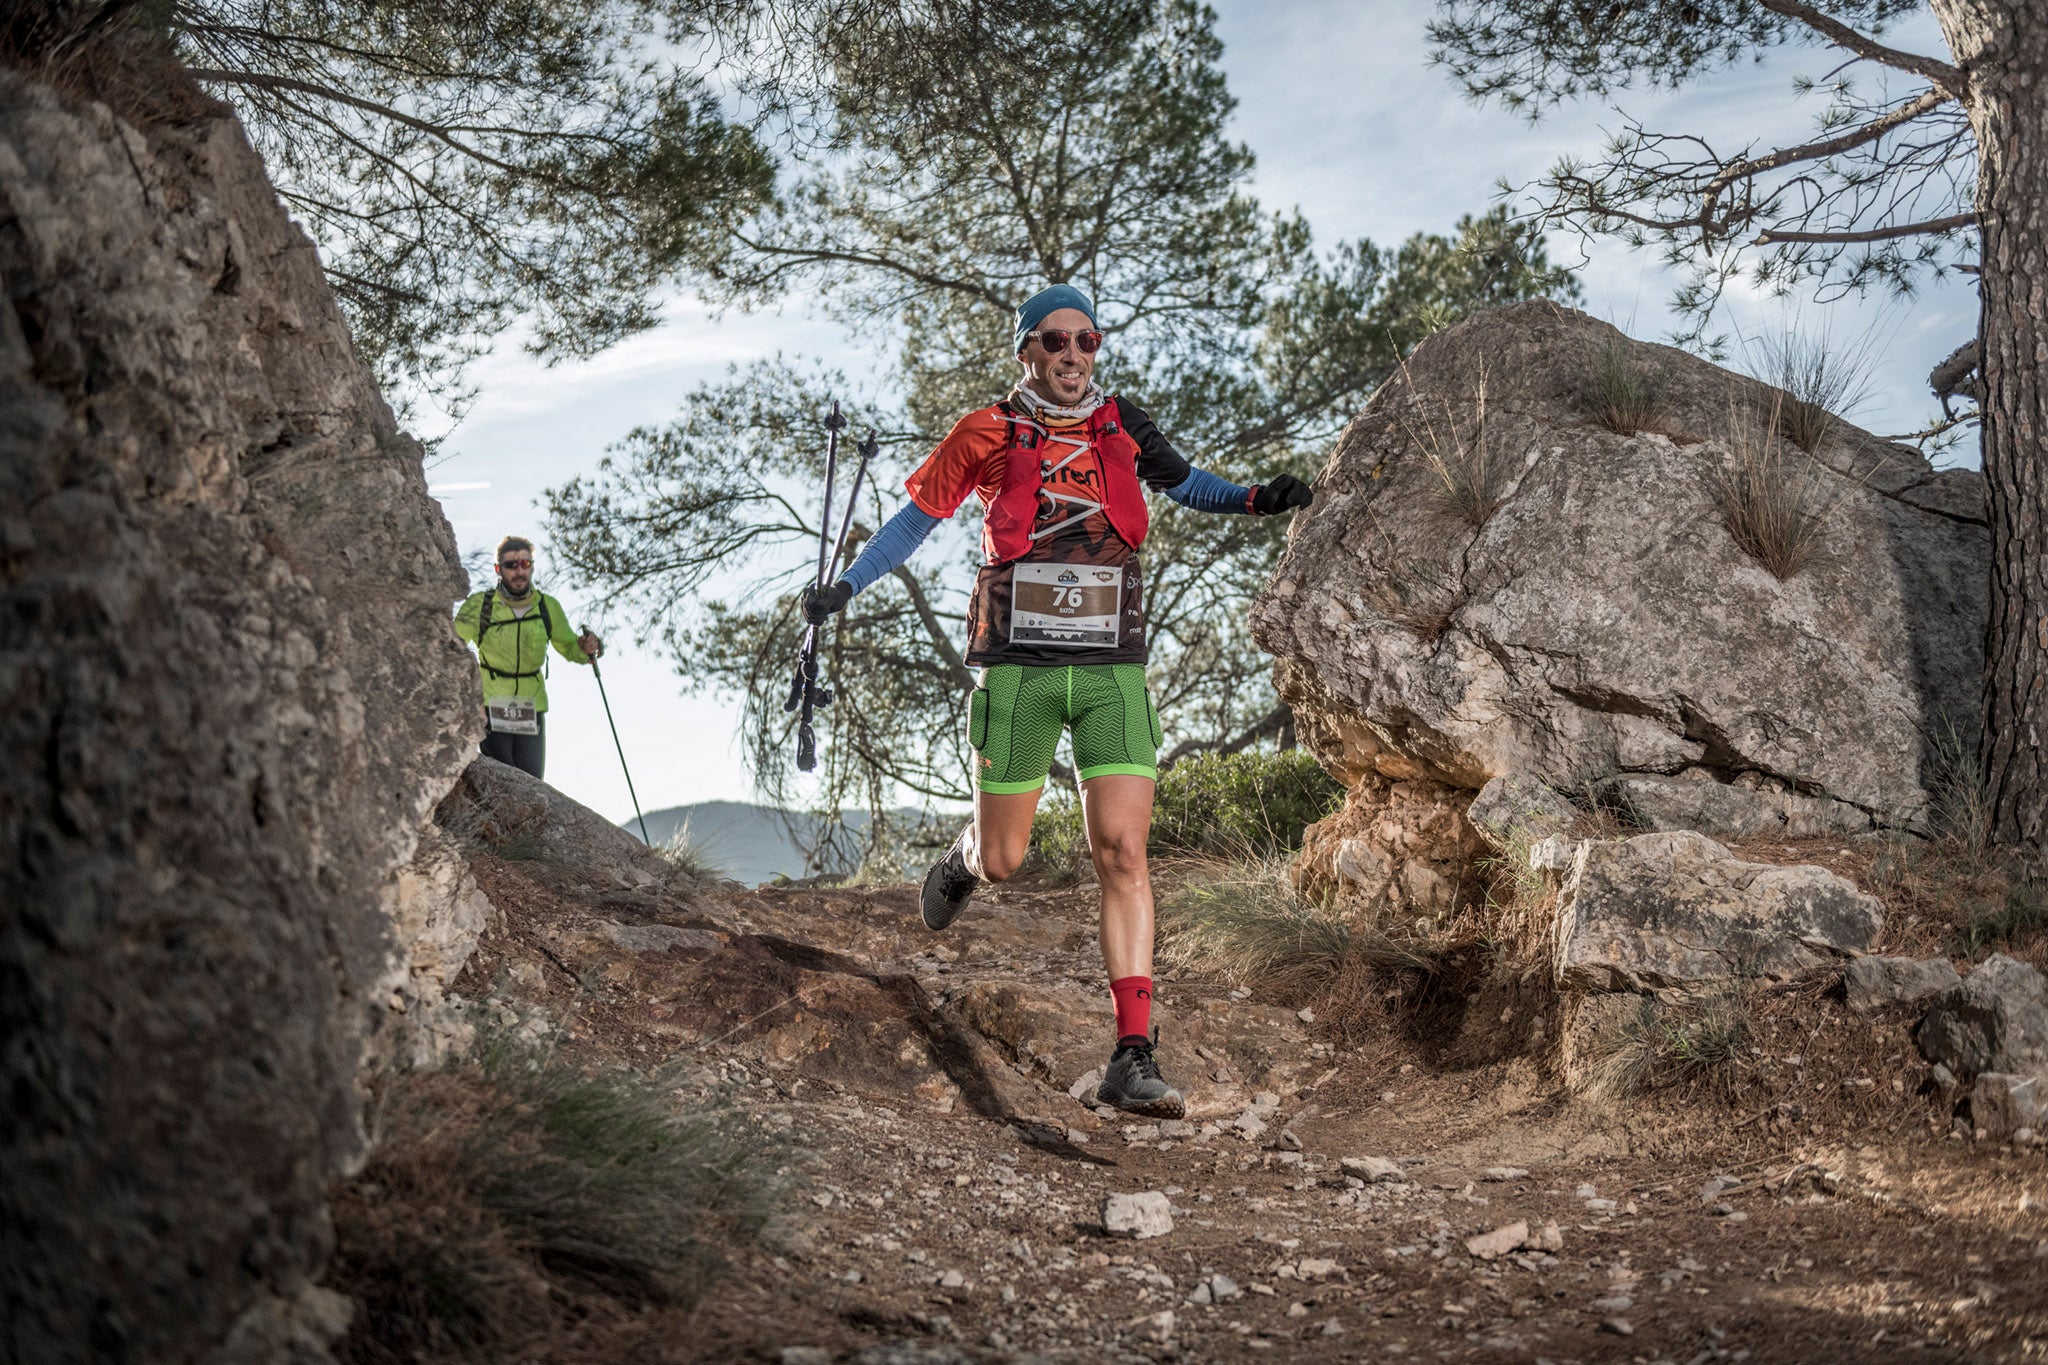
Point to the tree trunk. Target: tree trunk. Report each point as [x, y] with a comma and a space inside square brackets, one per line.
[2004, 49]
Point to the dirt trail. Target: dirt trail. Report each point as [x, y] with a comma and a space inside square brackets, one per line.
[949, 1190]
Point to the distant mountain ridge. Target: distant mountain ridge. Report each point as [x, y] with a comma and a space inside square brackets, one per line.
[750, 843]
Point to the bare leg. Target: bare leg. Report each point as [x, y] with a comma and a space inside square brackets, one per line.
[1001, 833]
[1118, 812]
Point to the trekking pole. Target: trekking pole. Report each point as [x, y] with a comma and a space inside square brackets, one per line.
[805, 696]
[620, 747]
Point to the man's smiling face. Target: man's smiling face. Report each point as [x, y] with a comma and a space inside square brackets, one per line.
[1061, 377]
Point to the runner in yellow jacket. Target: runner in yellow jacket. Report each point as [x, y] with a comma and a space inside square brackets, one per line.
[512, 626]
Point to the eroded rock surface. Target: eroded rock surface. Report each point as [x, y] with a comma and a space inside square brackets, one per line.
[1874, 983]
[231, 700]
[1602, 622]
[1995, 1020]
[1679, 912]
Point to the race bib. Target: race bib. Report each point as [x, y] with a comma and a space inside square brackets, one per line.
[1076, 605]
[512, 716]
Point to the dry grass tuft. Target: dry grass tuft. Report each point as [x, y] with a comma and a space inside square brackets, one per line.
[1774, 511]
[118, 55]
[1821, 381]
[1473, 475]
[1626, 397]
[1244, 920]
[1420, 600]
[692, 856]
[1679, 1044]
[1956, 780]
[514, 1208]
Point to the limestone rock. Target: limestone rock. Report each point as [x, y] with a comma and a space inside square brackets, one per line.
[1373, 1170]
[1602, 619]
[661, 938]
[1747, 809]
[1995, 1020]
[1873, 983]
[1678, 911]
[1518, 809]
[1404, 842]
[508, 812]
[2002, 1104]
[232, 699]
[439, 912]
[1145, 1215]
[1491, 1246]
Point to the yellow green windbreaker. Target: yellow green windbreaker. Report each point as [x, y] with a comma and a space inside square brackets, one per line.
[515, 647]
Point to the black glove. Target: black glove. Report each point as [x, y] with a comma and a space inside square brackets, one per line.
[819, 603]
[1284, 494]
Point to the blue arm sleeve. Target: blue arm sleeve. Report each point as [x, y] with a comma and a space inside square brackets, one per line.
[890, 546]
[1206, 492]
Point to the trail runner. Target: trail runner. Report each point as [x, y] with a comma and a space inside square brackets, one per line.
[512, 625]
[1056, 624]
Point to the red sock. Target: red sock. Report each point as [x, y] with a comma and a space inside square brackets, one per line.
[1133, 995]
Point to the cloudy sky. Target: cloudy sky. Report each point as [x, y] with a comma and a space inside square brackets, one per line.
[1349, 122]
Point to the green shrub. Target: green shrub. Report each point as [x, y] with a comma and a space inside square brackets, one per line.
[1255, 804]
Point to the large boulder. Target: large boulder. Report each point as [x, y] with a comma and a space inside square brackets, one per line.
[1996, 1020]
[1602, 623]
[231, 699]
[1679, 912]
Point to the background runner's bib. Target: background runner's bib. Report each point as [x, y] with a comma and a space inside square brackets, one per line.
[1076, 605]
[512, 715]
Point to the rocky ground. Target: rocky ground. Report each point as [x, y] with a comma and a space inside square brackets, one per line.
[1383, 1189]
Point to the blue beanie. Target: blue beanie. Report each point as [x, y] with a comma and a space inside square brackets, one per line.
[1043, 305]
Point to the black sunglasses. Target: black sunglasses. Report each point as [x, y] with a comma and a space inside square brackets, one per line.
[1055, 339]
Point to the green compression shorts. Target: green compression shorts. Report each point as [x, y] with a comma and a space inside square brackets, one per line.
[1018, 712]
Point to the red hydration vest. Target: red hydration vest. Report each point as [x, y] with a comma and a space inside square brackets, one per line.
[1006, 525]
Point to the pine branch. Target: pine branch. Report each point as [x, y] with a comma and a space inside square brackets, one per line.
[1883, 234]
[1949, 78]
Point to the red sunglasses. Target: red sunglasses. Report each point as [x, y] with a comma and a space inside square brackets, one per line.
[515, 563]
[1055, 339]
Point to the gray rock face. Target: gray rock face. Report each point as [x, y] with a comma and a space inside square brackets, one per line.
[2002, 1104]
[1677, 912]
[1874, 983]
[519, 816]
[1735, 810]
[1996, 1020]
[231, 700]
[1602, 620]
[1517, 809]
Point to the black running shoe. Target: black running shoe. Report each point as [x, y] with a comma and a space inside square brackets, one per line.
[1133, 1083]
[948, 887]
